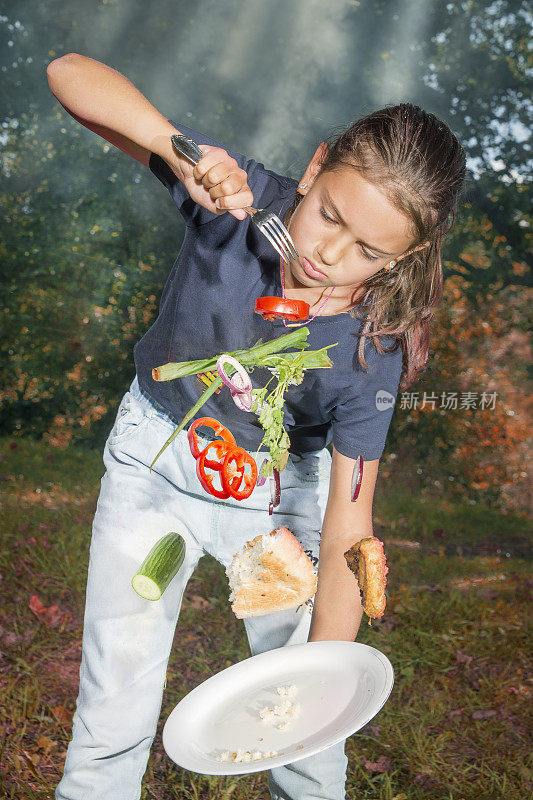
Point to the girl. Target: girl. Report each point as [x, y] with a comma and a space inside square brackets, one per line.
[368, 218]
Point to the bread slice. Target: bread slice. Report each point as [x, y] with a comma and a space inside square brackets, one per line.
[271, 573]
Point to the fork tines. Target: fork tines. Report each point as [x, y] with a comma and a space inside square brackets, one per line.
[278, 236]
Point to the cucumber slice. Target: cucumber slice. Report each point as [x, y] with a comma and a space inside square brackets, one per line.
[159, 567]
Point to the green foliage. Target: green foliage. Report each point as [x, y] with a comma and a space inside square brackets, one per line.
[90, 235]
[83, 273]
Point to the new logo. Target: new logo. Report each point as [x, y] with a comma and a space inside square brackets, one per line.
[384, 400]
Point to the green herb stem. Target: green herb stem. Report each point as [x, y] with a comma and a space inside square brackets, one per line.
[312, 359]
[180, 369]
[252, 357]
[256, 354]
[190, 414]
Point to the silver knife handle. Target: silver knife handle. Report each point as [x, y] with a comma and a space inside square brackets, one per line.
[186, 148]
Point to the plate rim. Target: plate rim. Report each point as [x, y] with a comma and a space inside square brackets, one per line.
[240, 768]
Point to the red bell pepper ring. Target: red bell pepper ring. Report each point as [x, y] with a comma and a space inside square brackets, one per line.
[272, 308]
[216, 426]
[235, 480]
[202, 462]
[221, 449]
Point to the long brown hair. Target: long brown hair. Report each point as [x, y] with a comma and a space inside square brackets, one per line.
[419, 164]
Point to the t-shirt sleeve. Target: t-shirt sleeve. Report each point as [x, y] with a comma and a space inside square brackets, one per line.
[193, 213]
[362, 417]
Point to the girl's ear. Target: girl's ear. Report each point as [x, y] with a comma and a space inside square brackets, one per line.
[313, 168]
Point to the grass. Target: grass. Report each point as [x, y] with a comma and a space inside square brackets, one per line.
[454, 728]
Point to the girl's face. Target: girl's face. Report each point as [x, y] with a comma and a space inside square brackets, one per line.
[345, 230]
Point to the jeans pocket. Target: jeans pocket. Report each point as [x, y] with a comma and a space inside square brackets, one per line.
[131, 417]
[306, 468]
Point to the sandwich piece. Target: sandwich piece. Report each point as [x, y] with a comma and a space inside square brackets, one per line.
[271, 573]
[366, 560]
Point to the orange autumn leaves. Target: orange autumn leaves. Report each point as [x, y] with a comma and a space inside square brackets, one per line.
[480, 348]
[52, 615]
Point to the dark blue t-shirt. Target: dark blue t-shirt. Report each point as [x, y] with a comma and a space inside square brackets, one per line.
[207, 308]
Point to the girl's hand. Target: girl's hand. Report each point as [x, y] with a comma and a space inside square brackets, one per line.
[216, 182]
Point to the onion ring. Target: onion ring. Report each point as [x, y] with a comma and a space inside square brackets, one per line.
[263, 472]
[240, 385]
[242, 397]
[357, 478]
[244, 384]
[275, 491]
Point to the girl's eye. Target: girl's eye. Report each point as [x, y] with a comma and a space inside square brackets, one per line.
[326, 216]
[368, 255]
[333, 221]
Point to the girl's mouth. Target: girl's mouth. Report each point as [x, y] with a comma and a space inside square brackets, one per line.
[310, 270]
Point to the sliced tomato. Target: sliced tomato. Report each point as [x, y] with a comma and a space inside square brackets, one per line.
[281, 308]
[205, 478]
[215, 425]
[235, 480]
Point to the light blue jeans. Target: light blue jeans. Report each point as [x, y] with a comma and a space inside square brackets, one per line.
[127, 640]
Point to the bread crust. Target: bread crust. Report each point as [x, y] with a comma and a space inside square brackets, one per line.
[284, 577]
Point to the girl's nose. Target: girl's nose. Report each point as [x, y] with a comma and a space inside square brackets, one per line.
[330, 250]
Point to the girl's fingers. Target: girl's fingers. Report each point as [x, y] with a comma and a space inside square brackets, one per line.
[238, 213]
[229, 186]
[215, 165]
[236, 203]
[225, 181]
[232, 176]
[210, 158]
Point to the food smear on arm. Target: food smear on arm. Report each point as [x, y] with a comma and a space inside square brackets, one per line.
[357, 478]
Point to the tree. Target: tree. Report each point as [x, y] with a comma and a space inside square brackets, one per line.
[91, 235]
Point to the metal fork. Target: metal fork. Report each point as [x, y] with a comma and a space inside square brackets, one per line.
[268, 223]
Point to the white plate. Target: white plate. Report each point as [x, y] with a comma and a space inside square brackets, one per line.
[341, 686]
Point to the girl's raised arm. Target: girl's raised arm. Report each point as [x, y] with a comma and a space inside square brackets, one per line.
[106, 102]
